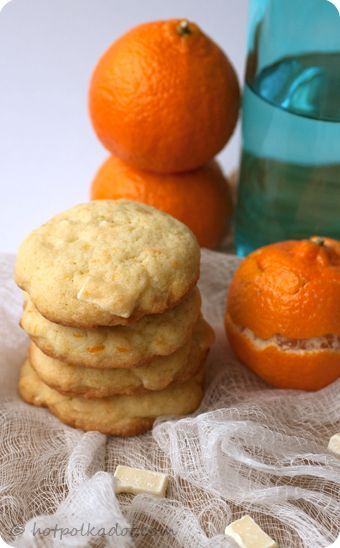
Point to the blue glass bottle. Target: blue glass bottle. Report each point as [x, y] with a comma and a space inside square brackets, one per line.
[289, 184]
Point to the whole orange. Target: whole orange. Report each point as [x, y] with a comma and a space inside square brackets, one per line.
[201, 198]
[164, 97]
[283, 313]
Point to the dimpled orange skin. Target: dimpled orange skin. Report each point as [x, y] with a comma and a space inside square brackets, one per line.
[201, 198]
[164, 99]
[291, 289]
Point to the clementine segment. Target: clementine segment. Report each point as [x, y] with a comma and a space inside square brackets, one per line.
[283, 313]
[201, 198]
[164, 97]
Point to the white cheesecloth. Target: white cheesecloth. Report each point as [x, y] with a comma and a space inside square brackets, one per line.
[248, 449]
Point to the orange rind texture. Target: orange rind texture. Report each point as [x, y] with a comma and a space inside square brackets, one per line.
[162, 99]
[290, 288]
[283, 313]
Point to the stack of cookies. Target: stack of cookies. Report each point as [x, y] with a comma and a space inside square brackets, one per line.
[113, 313]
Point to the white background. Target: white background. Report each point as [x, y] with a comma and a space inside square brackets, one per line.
[48, 48]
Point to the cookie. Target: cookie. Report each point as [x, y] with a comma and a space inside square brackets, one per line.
[118, 415]
[107, 262]
[115, 347]
[99, 383]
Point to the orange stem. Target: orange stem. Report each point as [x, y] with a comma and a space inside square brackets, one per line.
[183, 28]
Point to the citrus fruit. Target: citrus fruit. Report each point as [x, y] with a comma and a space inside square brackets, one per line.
[164, 97]
[283, 313]
[200, 198]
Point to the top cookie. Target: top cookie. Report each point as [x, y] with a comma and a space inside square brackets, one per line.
[107, 262]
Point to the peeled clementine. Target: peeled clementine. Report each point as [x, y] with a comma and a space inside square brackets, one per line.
[164, 97]
[283, 313]
[201, 198]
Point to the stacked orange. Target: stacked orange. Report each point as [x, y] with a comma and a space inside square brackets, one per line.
[164, 100]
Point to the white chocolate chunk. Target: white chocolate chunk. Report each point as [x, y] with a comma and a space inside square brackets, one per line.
[335, 544]
[334, 444]
[4, 544]
[247, 534]
[107, 293]
[135, 480]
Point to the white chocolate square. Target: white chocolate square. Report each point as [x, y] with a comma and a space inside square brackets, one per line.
[247, 534]
[335, 544]
[334, 444]
[135, 480]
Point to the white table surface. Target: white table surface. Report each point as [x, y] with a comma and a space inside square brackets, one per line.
[48, 48]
